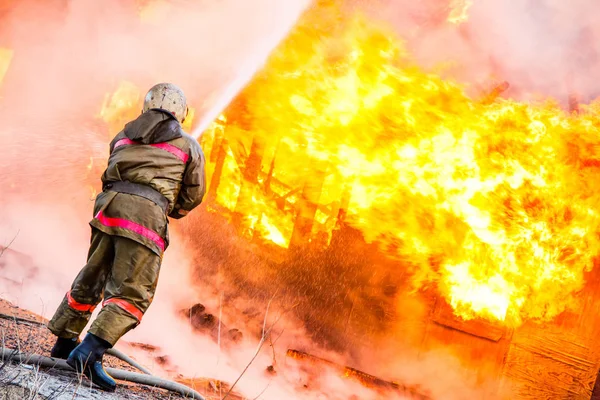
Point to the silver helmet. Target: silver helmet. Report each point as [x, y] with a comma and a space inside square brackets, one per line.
[168, 97]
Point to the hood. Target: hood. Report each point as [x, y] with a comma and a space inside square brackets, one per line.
[153, 126]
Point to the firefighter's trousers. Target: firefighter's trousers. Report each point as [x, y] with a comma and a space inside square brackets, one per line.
[124, 273]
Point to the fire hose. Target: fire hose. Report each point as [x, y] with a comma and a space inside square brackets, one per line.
[150, 380]
[124, 357]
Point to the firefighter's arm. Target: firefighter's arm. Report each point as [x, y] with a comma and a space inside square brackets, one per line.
[193, 185]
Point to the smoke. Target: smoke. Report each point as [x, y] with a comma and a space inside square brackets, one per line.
[541, 47]
[67, 56]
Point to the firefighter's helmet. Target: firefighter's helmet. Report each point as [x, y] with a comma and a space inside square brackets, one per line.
[168, 97]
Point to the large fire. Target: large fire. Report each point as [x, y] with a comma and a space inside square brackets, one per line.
[494, 202]
[491, 200]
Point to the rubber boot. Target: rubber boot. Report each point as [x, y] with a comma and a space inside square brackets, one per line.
[63, 347]
[87, 359]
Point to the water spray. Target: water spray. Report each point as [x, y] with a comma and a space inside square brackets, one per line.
[247, 72]
[227, 95]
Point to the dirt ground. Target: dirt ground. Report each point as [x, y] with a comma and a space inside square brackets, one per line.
[26, 331]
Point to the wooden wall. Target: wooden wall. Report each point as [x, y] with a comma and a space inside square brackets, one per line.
[559, 360]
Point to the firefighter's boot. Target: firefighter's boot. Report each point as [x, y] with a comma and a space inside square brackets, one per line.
[63, 347]
[87, 359]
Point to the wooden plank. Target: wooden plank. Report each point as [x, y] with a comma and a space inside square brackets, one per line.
[549, 363]
[481, 348]
[384, 387]
[559, 346]
[444, 316]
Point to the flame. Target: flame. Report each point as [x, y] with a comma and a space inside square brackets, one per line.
[6, 56]
[492, 201]
[121, 106]
[459, 10]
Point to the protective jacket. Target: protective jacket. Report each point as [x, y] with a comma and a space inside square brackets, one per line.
[154, 152]
[154, 170]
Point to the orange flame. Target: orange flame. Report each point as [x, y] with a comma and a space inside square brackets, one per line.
[121, 106]
[494, 202]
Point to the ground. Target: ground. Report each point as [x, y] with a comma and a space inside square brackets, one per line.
[23, 330]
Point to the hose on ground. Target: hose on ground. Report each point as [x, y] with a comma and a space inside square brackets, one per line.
[35, 359]
[124, 357]
[113, 352]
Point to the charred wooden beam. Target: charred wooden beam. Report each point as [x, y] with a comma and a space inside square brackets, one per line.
[344, 204]
[218, 171]
[217, 143]
[269, 178]
[307, 209]
[367, 380]
[204, 322]
[443, 315]
[250, 171]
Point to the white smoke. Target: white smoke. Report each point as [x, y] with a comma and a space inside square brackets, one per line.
[541, 47]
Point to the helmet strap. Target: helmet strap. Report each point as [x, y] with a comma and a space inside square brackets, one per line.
[187, 110]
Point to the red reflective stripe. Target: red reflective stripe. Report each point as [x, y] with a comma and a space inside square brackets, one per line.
[123, 142]
[127, 306]
[176, 151]
[132, 226]
[75, 305]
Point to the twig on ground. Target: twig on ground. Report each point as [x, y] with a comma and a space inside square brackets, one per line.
[37, 383]
[58, 392]
[3, 342]
[17, 334]
[263, 391]
[4, 248]
[272, 348]
[220, 318]
[272, 344]
[260, 343]
[219, 329]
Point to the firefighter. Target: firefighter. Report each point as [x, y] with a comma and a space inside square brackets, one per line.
[155, 170]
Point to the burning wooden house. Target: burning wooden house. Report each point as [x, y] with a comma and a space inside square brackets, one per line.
[361, 182]
[558, 359]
